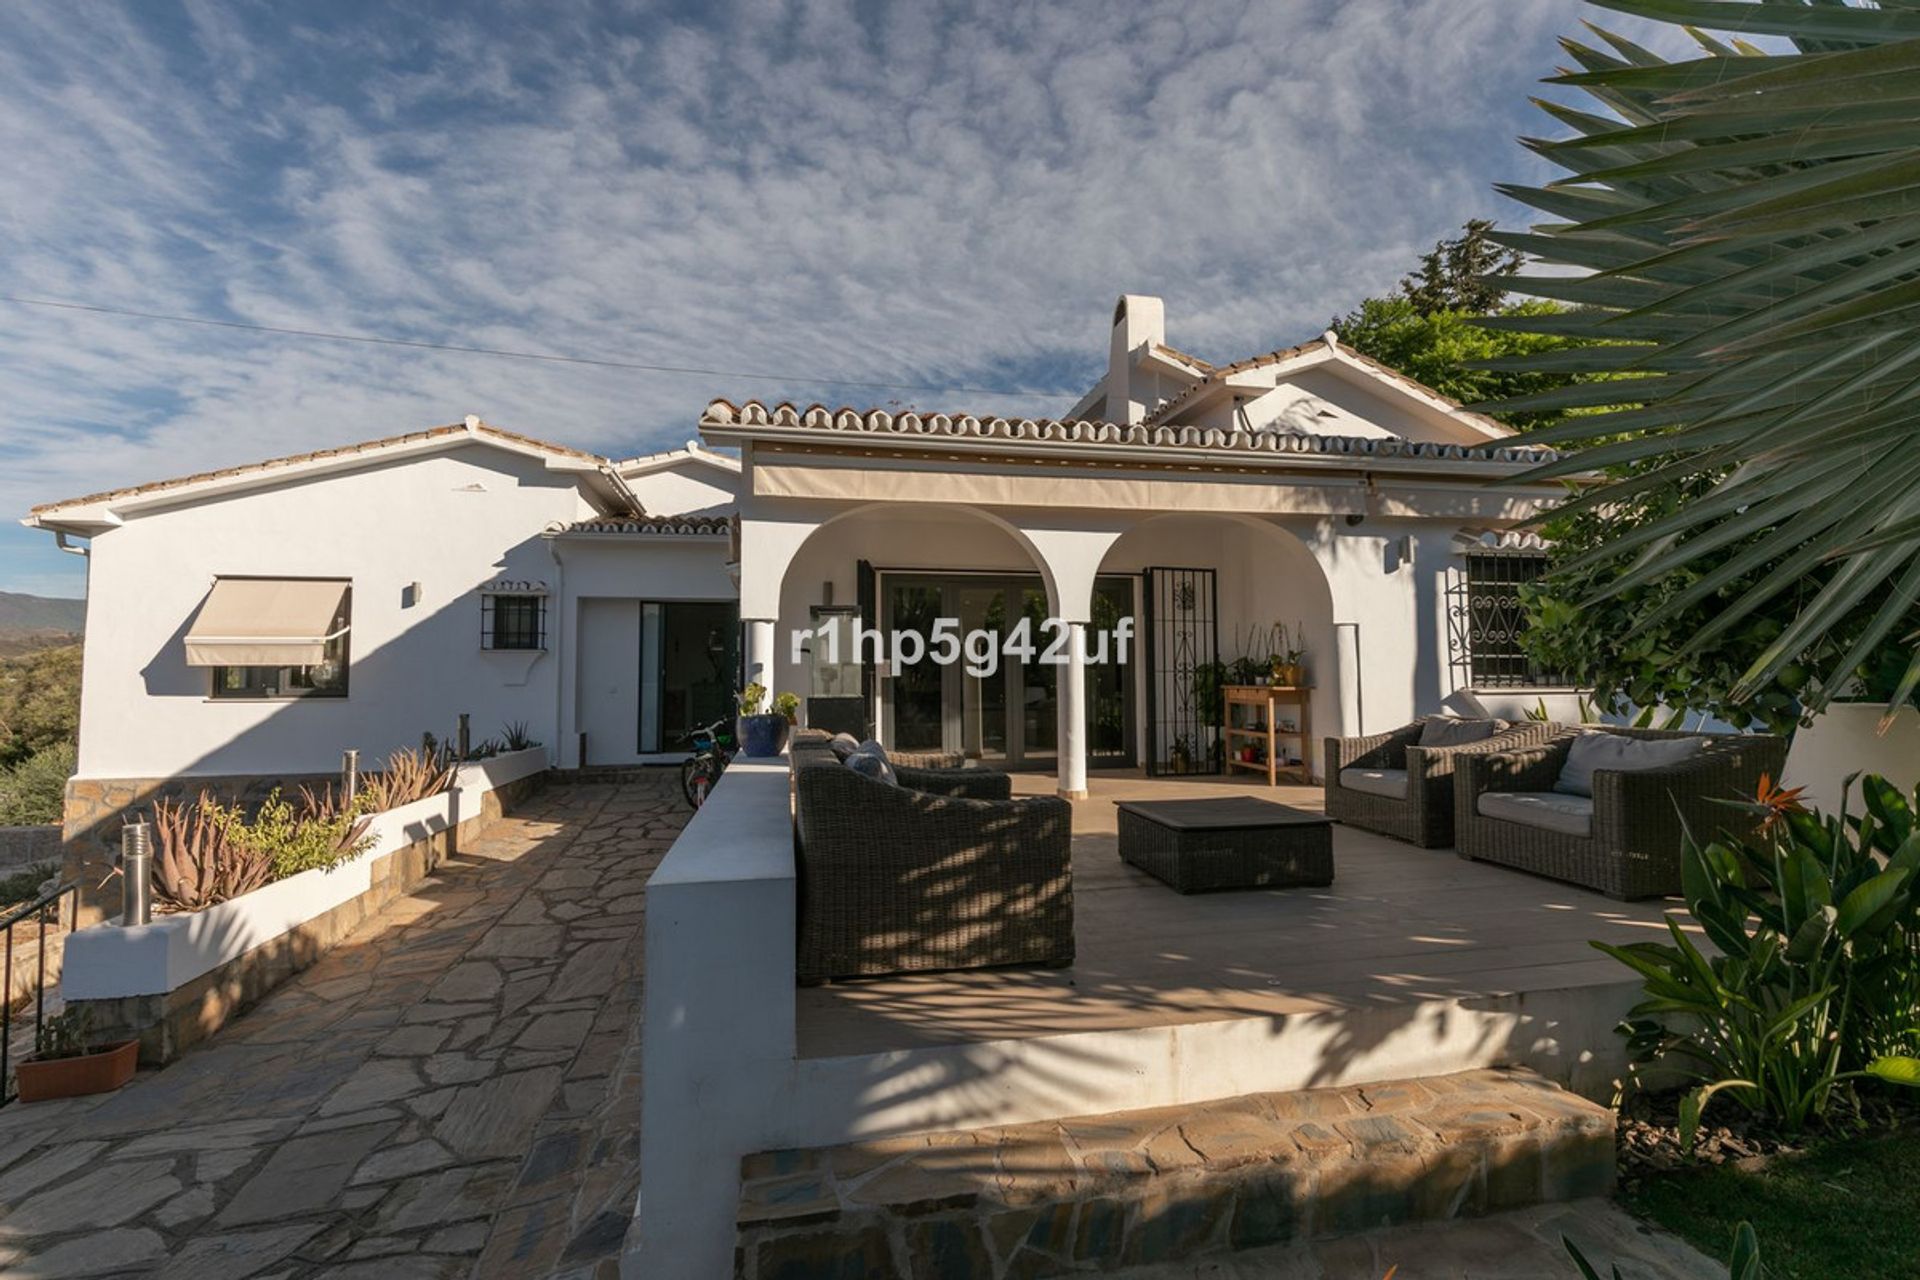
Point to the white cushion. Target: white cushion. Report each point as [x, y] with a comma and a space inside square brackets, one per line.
[1619, 753]
[843, 744]
[869, 765]
[1547, 810]
[1391, 783]
[1448, 731]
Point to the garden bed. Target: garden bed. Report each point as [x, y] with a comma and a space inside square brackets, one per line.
[175, 981]
[1836, 1207]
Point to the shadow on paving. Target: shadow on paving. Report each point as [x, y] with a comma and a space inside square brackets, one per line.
[457, 1083]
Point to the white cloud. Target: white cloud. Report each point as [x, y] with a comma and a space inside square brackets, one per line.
[950, 197]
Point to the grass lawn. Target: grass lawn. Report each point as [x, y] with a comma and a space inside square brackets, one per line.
[1846, 1210]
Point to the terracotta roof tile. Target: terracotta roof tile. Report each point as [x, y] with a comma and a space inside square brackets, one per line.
[686, 526]
[323, 455]
[1181, 356]
[754, 413]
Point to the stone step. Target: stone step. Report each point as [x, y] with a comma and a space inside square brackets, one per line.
[1097, 1193]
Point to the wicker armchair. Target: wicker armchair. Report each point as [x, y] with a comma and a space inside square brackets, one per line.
[1632, 847]
[944, 871]
[1424, 815]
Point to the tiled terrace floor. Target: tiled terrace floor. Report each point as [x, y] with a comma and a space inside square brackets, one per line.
[1398, 926]
[454, 1090]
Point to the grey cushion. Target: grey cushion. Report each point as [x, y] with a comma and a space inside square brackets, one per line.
[869, 765]
[1391, 783]
[1448, 731]
[1615, 751]
[1547, 810]
[843, 744]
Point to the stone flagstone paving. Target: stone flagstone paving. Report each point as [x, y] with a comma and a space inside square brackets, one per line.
[454, 1090]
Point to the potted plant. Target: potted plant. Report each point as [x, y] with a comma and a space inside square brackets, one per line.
[1182, 755]
[762, 732]
[1285, 663]
[65, 1064]
[787, 705]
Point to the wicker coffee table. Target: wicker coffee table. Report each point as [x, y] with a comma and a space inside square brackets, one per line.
[1235, 842]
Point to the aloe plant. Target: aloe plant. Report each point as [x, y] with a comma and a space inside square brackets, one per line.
[1743, 229]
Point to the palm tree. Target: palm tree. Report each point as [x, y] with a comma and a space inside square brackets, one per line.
[1744, 232]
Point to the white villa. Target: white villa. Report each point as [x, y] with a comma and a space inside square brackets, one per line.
[247, 626]
[258, 620]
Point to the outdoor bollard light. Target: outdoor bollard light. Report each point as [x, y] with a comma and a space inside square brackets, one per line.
[464, 737]
[349, 776]
[136, 868]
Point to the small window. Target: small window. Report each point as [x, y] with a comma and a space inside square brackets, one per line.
[1487, 622]
[513, 622]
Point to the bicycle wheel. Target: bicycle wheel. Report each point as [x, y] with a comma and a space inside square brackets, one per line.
[696, 779]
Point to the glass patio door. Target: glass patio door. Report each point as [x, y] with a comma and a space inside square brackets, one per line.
[1009, 718]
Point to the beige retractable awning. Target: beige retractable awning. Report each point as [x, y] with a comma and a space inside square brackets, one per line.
[267, 622]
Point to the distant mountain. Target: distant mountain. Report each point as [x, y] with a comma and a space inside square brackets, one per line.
[41, 615]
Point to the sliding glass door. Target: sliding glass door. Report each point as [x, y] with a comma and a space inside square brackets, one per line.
[689, 660]
[1007, 715]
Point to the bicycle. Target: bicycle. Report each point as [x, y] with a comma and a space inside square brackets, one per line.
[713, 747]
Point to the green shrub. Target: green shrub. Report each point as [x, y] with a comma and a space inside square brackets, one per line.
[1818, 982]
[34, 791]
[295, 840]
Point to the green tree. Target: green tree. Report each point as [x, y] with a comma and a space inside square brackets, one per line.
[1461, 274]
[1447, 350]
[39, 701]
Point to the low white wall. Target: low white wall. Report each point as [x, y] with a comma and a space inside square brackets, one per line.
[724, 1080]
[717, 1036]
[108, 961]
[1846, 739]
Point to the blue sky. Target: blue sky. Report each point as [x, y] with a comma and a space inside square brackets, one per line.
[942, 195]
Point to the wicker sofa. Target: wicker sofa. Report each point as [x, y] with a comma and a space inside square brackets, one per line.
[1422, 812]
[1633, 822]
[943, 871]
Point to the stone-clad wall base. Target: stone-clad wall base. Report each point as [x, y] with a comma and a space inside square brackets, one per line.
[168, 1024]
[96, 809]
[1099, 1193]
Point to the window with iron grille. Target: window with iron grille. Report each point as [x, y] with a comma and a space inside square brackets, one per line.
[1485, 622]
[513, 622]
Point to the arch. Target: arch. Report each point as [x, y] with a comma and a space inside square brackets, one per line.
[1266, 572]
[770, 560]
[935, 539]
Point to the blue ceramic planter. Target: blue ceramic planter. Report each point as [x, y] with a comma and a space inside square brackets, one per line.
[762, 735]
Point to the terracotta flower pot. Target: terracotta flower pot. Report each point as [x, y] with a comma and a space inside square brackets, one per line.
[103, 1070]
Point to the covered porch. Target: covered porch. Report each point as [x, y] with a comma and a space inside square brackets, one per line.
[1401, 931]
[1201, 539]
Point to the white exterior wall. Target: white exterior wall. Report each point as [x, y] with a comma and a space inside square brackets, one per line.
[1369, 600]
[1327, 401]
[684, 487]
[603, 580]
[451, 522]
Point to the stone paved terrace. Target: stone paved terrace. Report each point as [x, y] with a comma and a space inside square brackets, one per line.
[454, 1090]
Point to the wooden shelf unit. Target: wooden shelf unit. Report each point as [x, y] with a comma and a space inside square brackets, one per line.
[1263, 728]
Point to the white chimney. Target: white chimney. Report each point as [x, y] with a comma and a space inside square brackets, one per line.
[1138, 321]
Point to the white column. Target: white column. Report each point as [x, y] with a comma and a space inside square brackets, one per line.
[1073, 715]
[760, 653]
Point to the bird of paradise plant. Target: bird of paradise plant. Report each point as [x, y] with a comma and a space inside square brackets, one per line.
[1817, 982]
